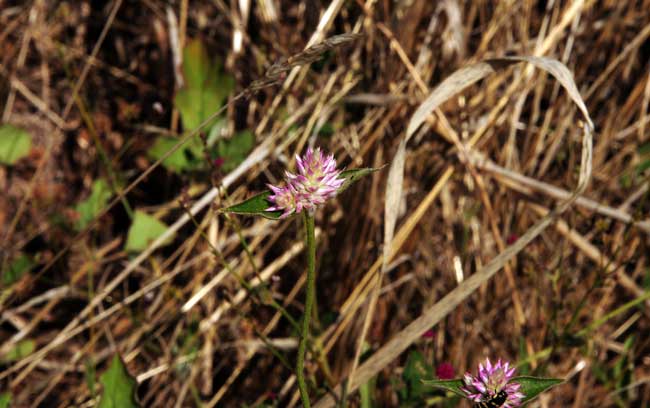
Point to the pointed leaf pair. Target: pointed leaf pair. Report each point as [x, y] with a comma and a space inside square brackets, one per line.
[258, 204]
[531, 387]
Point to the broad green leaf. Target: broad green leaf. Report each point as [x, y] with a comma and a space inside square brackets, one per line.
[204, 92]
[452, 386]
[21, 350]
[258, 204]
[94, 204]
[196, 64]
[235, 150]
[17, 269]
[188, 157]
[531, 387]
[119, 387]
[415, 370]
[205, 88]
[15, 144]
[144, 229]
[5, 400]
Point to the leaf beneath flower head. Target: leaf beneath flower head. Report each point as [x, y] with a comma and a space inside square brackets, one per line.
[353, 175]
[447, 385]
[531, 387]
[258, 204]
[255, 205]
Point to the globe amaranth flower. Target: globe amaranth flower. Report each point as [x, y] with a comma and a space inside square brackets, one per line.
[284, 199]
[445, 371]
[316, 182]
[492, 379]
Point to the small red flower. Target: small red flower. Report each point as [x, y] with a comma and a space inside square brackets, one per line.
[429, 334]
[445, 371]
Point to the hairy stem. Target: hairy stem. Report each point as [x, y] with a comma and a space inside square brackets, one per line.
[309, 303]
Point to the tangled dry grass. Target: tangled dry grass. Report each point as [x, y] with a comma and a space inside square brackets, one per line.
[94, 84]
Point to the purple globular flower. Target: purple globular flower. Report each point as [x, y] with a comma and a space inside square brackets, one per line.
[492, 379]
[316, 182]
[284, 199]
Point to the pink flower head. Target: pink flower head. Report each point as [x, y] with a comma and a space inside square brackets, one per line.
[492, 380]
[284, 199]
[316, 182]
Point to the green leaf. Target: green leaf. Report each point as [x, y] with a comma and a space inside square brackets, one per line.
[367, 390]
[235, 150]
[17, 269]
[119, 387]
[354, 175]
[205, 88]
[643, 166]
[196, 64]
[188, 157]
[531, 387]
[94, 204]
[453, 386]
[415, 370]
[644, 149]
[15, 144]
[255, 205]
[5, 400]
[144, 229]
[89, 375]
[21, 350]
[258, 204]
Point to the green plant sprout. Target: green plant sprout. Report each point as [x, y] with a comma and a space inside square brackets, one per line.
[317, 181]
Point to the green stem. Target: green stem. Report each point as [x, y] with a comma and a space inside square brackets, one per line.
[309, 302]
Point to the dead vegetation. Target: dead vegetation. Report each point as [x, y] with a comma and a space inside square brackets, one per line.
[95, 84]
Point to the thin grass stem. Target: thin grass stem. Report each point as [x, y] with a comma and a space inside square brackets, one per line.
[309, 302]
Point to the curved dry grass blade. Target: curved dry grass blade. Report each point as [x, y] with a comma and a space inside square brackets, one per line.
[394, 186]
[458, 81]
